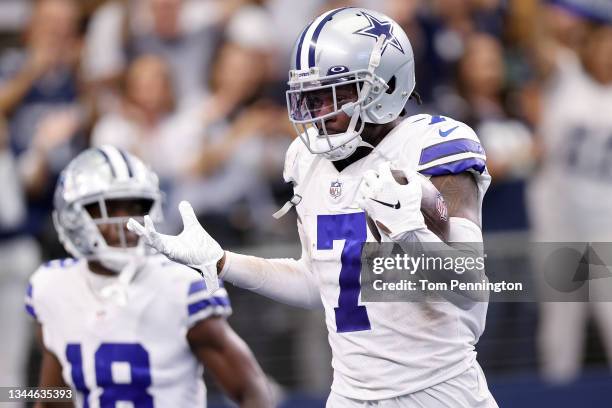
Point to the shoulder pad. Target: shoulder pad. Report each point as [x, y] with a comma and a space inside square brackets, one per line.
[44, 285]
[297, 159]
[449, 147]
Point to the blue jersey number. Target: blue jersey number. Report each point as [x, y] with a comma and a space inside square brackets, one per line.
[351, 228]
[132, 354]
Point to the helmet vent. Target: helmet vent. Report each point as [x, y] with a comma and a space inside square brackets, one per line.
[391, 84]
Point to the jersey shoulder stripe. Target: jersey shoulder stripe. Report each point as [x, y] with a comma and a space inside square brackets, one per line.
[29, 307]
[202, 304]
[450, 148]
[196, 286]
[476, 164]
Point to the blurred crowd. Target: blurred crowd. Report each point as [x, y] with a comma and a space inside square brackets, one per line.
[196, 89]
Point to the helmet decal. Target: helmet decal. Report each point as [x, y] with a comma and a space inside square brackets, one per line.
[377, 27]
[108, 161]
[310, 35]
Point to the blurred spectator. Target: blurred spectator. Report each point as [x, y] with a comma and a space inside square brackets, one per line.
[184, 32]
[571, 196]
[20, 255]
[507, 141]
[39, 95]
[447, 24]
[13, 15]
[229, 186]
[481, 83]
[149, 124]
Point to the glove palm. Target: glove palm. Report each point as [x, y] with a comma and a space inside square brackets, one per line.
[193, 247]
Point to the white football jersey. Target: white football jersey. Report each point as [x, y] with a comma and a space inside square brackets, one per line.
[383, 350]
[136, 354]
[571, 196]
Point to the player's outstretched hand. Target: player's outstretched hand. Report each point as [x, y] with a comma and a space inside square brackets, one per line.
[193, 247]
[394, 207]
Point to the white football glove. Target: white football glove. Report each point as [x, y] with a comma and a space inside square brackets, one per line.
[394, 207]
[193, 247]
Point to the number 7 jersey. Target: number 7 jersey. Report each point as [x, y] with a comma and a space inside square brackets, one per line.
[135, 353]
[381, 349]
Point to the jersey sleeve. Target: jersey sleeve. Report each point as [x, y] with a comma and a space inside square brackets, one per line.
[30, 307]
[200, 305]
[291, 172]
[40, 290]
[450, 147]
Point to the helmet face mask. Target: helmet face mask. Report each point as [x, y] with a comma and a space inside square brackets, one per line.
[371, 61]
[94, 200]
[313, 102]
[110, 216]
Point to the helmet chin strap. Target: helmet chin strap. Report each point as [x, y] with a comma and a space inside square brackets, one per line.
[118, 291]
[116, 259]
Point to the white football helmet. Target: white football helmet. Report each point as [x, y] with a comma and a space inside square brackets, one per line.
[95, 178]
[344, 48]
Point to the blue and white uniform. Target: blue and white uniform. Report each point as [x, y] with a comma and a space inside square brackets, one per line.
[137, 353]
[385, 350]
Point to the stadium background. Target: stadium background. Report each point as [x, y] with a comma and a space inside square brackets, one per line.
[196, 89]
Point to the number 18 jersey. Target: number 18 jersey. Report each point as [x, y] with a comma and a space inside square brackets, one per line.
[383, 350]
[135, 354]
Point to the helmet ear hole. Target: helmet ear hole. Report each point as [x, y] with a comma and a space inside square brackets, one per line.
[391, 84]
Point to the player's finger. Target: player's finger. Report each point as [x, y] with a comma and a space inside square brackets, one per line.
[187, 214]
[370, 178]
[366, 192]
[384, 169]
[148, 225]
[136, 227]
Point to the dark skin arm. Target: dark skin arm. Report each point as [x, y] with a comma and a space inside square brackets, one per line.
[232, 364]
[50, 373]
[460, 193]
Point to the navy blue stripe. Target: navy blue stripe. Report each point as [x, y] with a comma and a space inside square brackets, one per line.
[456, 167]
[30, 311]
[298, 59]
[449, 148]
[315, 36]
[197, 286]
[204, 303]
[29, 290]
[127, 163]
[103, 153]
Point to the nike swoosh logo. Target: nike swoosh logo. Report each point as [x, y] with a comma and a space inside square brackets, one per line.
[394, 206]
[447, 132]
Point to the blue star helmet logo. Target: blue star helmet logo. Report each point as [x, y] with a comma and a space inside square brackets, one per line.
[378, 27]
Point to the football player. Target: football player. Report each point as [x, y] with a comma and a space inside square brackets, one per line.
[117, 324]
[352, 74]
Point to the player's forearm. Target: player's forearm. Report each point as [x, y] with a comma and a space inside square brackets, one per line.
[285, 280]
[465, 242]
[256, 394]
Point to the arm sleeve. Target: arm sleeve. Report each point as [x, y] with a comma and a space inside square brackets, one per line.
[288, 281]
[465, 241]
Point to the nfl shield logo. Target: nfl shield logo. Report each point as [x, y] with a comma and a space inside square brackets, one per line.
[335, 190]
